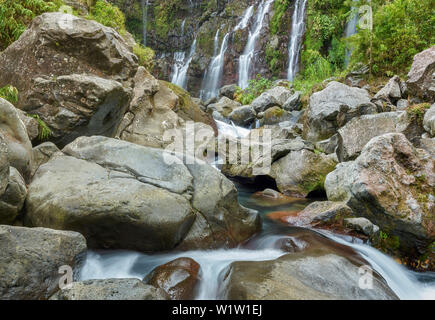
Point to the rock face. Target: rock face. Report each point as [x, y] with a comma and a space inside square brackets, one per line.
[155, 201]
[12, 200]
[302, 172]
[30, 260]
[332, 107]
[177, 278]
[429, 121]
[243, 116]
[224, 106]
[421, 79]
[58, 44]
[110, 289]
[392, 184]
[15, 136]
[42, 153]
[320, 274]
[391, 91]
[77, 105]
[359, 131]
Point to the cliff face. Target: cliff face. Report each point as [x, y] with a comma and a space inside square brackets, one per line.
[173, 25]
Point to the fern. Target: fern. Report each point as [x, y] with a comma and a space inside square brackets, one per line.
[44, 131]
[9, 93]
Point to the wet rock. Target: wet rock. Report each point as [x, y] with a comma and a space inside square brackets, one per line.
[391, 183]
[156, 201]
[77, 105]
[228, 91]
[313, 274]
[177, 278]
[320, 213]
[110, 289]
[421, 81]
[293, 103]
[53, 49]
[243, 116]
[362, 225]
[272, 198]
[332, 107]
[30, 260]
[359, 131]
[429, 121]
[301, 172]
[15, 136]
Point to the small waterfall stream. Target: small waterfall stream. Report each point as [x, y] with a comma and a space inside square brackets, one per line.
[351, 29]
[297, 32]
[144, 5]
[181, 66]
[246, 59]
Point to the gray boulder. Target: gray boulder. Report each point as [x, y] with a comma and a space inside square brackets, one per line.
[224, 106]
[110, 289]
[293, 103]
[359, 131]
[392, 184]
[12, 199]
[264, 102]
[429, 121]
[281, 94]
[41, 154]
[243, 116]
[228, 91]
[15, 136]
[77, 105]
[391, 91]
[156, 202]
[421, 80]
[362, 225]
[30, 260]
[332, 107]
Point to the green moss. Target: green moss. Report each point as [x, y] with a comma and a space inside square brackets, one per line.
[278, 23]
[145, 56]
[108, 15]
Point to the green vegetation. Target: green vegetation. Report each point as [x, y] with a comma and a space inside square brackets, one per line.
[108, 15]
[44, 131]
[146, 56]
[164, 13]
[9, 93]
[277, 23]
[401, 29]
[256, 87]
[418, 111]
[16, 15]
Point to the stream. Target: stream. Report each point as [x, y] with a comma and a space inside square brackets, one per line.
[265, 246]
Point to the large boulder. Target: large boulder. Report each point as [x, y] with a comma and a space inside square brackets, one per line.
[30, 260]
[302, 172]
[15, 136]
[224, 106]
[392, 184]
[58, 44]
[76, 105]
[391, 92]
[110, 289]
[429, 121]
[325, 272]
[359, 131]
[177, 278]
[264, 102]
[155, 109]
[12, 200]
[421, 77]
[228, 91]
[243, 116]
[156, 202]
[41, 154]
[333, 107]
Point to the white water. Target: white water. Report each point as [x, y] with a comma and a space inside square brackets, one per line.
[297, 32]
[212, 77]
[181, 66]
[231, 130]
[350, 31]
[144, 4]
[403, 282]
[247, 15]
[245, 60]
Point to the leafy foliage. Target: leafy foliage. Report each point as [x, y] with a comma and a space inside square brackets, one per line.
[108, 15]
[256, 87]
[9, 93]
[276, 23]
[16, 15]
[44, 131]
[145, 55]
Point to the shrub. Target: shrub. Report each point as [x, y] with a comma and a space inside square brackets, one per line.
[256, 87]
[9, 93]
[145, 55]
[108, 15]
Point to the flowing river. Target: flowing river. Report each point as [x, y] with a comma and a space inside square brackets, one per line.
[265, 246]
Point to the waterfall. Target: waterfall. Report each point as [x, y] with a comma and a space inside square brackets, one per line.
[181, 66]
[247, 15]
[351, 30]
[144, 4]
[297, 32]
[245, 60]
[213, 75]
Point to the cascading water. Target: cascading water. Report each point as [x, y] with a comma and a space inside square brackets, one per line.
[144, 4]
[181, 66]
[297, 32]
[247, 15]
[351, 30]
[245, 60]
[213, 75]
